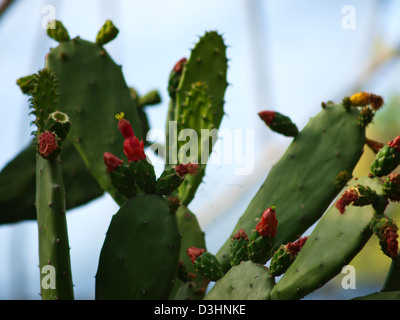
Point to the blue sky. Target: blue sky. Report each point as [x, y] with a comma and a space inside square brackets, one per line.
[284, 55]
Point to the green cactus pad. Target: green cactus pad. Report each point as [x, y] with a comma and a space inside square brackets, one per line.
[92, 91]
[239, 251]
[107, 33]
[120, 178]
[284, 125]
[303, 183]
[247, 281]
[140, 255]
[197, 114]
[260, 249]
[280, 262]
[192, 236]
[26, 84]
[52, 226]
[392, 281]
[333, 243]
[391, 187]
[279, 123]
[391, 295]
[142, 172]
[208, 64]
[209, 266]
[386, 160]
[57, 31]
[169, 181]
[199, 101]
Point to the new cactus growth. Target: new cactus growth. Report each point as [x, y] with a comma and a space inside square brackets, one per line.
[57, 31]
[391, 187]
[386, 231]
[279, 123]
[284, 256]
[262, 239]
[239, 248]
[387, 159]
[107, 33]
[173, 176]
[206, 263]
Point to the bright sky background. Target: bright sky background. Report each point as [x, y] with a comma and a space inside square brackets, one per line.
[284, 55]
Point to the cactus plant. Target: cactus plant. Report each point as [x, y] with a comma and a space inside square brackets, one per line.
[154, 247]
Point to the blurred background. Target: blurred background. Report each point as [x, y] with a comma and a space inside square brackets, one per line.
[285, 55]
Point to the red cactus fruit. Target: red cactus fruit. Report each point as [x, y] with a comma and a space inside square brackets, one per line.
[391, 240]
[348, 197]
[267, 226]
[267, 116]
[134, 149]
[296, 246]
[48, 143]
[241, 234]
[395, 143]
[179, 65]
[188, 168]
[112, 162]
[124, 126]
[194, 253]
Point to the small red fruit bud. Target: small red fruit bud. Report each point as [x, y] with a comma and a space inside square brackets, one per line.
[188, 168]
[348, 197]
[391, 240]
[241, 234]
[179, 65]
[395, 143]
[124, 126]
[134, 149]
[267, 226]
[267, 116]
[194, 253]
[48, 143]
[376, 101]
[112, 162]
[296, 246]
